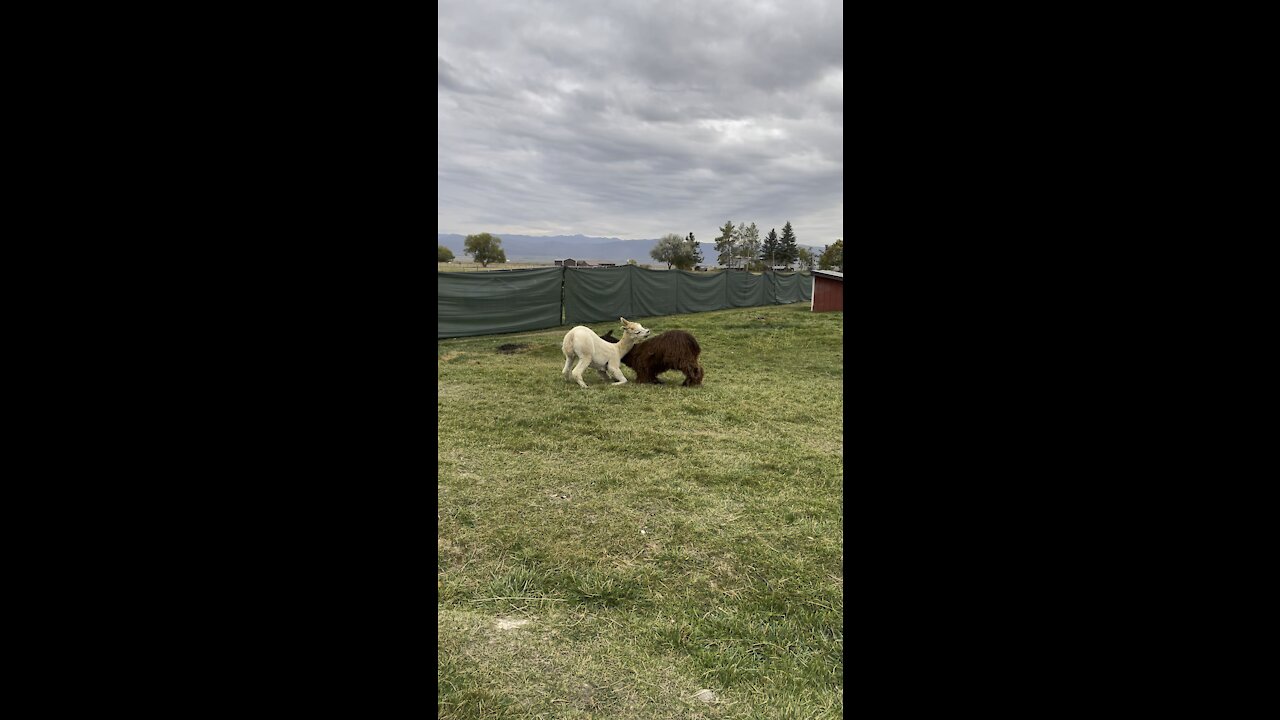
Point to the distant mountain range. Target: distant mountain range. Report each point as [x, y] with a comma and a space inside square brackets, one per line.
[530, 248]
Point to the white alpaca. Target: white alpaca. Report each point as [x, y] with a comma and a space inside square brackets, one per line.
[582, 343]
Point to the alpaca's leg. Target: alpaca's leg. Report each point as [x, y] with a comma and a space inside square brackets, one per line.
[579, 369]
[688, 375]
[646, 375]
[616, 372]
[695, 378]
[568, 359]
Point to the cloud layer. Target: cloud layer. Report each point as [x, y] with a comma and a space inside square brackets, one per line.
[637, 119]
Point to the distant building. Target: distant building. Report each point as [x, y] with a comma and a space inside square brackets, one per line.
[570, 262]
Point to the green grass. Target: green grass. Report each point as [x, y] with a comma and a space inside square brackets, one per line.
[468, 266]
[657, 540]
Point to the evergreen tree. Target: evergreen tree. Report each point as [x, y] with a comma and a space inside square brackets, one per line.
[788, 252]
[695, 250]
[725, 244]
[769, 249]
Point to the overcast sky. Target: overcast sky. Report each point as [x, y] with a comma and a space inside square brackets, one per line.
[637, 118]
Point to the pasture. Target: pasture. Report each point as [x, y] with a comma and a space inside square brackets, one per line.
[462, 265]
[612, 552]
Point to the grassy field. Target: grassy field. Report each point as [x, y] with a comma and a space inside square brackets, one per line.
[467, 266]
[612, 552]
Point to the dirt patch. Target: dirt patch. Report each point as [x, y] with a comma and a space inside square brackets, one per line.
[510, 348]
[509, 624]
[448, 554]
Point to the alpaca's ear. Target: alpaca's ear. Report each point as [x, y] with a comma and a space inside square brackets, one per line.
[623, 320]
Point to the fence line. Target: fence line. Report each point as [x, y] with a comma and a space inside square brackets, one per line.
[516, 300]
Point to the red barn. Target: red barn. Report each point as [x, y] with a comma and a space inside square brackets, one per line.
[828, 291]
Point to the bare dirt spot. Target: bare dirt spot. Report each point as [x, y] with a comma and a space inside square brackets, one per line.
[450, 356]
[510, 624]
[448, 554]
[510, 348]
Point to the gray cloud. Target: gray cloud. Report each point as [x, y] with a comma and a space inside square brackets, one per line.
[632, 120]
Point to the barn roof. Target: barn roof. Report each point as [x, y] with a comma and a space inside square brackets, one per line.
[831, 274]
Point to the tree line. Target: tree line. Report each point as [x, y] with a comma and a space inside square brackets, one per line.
[738, 246]
[741, 246]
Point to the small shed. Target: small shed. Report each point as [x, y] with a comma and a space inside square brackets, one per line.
[828, 291]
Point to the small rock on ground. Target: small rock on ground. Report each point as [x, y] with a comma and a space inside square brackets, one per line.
[705, 696]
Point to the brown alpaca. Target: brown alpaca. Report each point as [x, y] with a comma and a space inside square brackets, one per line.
[672, 350]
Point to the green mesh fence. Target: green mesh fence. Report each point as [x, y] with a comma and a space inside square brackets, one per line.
[488, 303]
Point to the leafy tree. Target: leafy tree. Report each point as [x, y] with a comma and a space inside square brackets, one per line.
[750, 242]
[631, 262]
[444, 254]
[671, 249]
[769, 249]
[806, 259]
[788, 251]
[832, 256]
[665, 250]
[725, 244]
[683, 253]
[695, 250]
[485, 248]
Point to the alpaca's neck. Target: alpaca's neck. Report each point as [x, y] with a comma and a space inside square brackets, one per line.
[625, 344]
